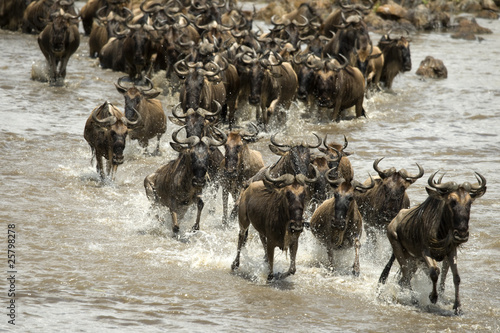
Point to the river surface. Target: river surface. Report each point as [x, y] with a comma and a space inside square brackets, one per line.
[91, 257]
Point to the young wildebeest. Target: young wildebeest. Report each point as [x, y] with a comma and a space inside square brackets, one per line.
[153, 120]
[105, 131]
[275, 208]
[337, 223]
[239, 164]
[58, 41]
[432, 232]
[381, 204]
[179, 183]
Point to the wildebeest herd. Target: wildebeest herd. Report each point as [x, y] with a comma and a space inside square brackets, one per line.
[217, 63]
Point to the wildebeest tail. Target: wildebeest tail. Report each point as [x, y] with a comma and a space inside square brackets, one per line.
[387, 269]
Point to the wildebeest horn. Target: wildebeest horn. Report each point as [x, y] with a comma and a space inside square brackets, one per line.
[215, 143]
[302, 179]
[360, 186]
[206, 113]
[318, 143]
[446, 187]
[481, 184]
[151, 8]
[275, 143]
[99, 16]
[247, 136]
[175, 114]
[192, 140]
[130, 123]
[334, 181]
[383, 174]
[283, 180]
[178, 70]
[119, 83]
[346, 62]
[407, 176]
[296, 23]
[108, 121]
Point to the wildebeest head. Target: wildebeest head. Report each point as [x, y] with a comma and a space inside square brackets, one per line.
[117, 125]
[195, 75]
[133, 96]
[396, 49]
[197, 121]
[457, 201]
[196, 151]
[325, 82]
[259, 67]
[236, 142]
[344, 197]
[305, 73]
[392, 187]
[294, 159]
[292, 188]
[61, 22]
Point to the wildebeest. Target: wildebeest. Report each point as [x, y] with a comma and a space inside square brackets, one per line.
[397, 58]
[58, 41]
[339, 87]
[11, 14]
[273, 85]
[105, 131]
[201, 87]
[179, 183]
[382, 203]
[432, 232]
[240, 164]
[337, 222]
[153, 119]
[104, 28]
[274, 206]
[432, 68]
[36, 16]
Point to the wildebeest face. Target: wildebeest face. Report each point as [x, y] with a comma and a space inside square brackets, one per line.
[300, 158]
[344, 197]
[59, 32]
[295, 195]
[199, 160]
[118, 135]
[141, 46]
[132, 100]
[458, 205]
[233, 148]
[404, 48]
[256, 78]
[325, 89]
[305, 77]
[194, 85]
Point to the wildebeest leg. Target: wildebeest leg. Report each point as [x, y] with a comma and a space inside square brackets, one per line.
[444, 272]
[400, 254]
[175, 222]
[294, 246]
[452, 262]
[360, 111]
[157, 149]
[200, 205]
[225, 198]
[100, 167]
[51, 62]
[263, 240]
[270, 259]
[355, 266]
[433, 273]
[62, 67]
[242, 237]
[329, 251]
[336, 112]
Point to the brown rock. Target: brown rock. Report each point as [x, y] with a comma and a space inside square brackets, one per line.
[432, 68]
[391, 11]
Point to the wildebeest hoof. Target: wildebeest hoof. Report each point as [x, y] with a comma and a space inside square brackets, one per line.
[355, 273]
[175, 229]
[458, 311]
[433, 297]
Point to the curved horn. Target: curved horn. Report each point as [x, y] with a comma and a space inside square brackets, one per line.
[277, 144]
[407, 176]
[358, 185]
[481, 184]
[130, 123]
[151, 8]
[318, 143]
[178, 70]
[346, 62]
[302, 179]
[206, 113]
[175, 114]
[449, 186]
[119, 83]
[192, 140]
[108, 121]
[383, 174]
[334, 181]
[215, 143]
[284, 180]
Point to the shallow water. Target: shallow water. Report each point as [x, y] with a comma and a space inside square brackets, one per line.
[91, 257]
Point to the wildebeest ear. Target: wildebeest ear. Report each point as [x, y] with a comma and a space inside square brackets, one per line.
[152, 94]
[276, 150]
[433, 193]
[177, 146]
